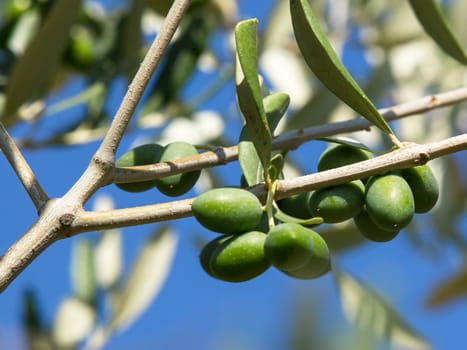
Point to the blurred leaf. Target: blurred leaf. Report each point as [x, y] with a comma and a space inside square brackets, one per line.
[108, 259]
[74, 320]
[82, 271]
[130, 37]
[275, 106]
[368, 311]
[432, 19]
[249, 91]
[181, 58]
[33, 71]
[326, 65]
[452, 289]
[36, 333]
[146, 278]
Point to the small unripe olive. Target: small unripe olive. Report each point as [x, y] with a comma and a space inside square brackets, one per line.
[340, 155]
[424, 187]
[389, 201]
[371, 231]
[178, 184]
[239, 257]
[228, 210]
[338, 203]
[291, 248]
[296, 205]
[141, 155]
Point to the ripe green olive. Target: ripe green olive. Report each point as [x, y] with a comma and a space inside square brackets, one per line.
[141, 155]
[424, 187]
[228, 210]
[338, 203]
[296, 205]
[176, 185]
[239, 257]
[340, 155]
[297, 251]
[389, 201]
[370, 230]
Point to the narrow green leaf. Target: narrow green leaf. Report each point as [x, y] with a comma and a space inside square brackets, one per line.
[33, 71]
[249, 91]
[342, 140]
[433, 21]
[108, 259]
[326, 65]
[275, 106]
[369, 312]
[146, 278]
[283, 217]
[82, 271]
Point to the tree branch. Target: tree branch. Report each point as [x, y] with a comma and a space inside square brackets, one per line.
[287, 140]
[408, 156]
[22, 169]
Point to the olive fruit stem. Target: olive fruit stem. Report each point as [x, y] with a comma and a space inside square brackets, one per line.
[270, 203]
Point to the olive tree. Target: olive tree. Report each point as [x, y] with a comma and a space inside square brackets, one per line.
[292, 88]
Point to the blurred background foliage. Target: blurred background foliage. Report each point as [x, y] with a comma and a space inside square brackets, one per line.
[64, 66]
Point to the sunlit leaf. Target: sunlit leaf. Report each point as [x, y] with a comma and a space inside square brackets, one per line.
[249, 91]
[108, 259]
[82, 271]
[32, 72]
[326, 65]
[369, 312]
[432, 19]
[146, 278]
[74, 320]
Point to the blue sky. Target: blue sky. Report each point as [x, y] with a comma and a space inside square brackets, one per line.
[194, 311]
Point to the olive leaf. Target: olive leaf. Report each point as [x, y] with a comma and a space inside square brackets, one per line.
[82, 271]
[347, 141]
[286, 218]
[249, 90]
[33, 71]
[326, 65]
[369, 312]
[146, 278]
[433, 21]
[275, 106]
[454, 288]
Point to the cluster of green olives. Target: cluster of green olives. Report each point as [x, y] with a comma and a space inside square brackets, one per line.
[380, 205]
[173, 185]
[247, 247]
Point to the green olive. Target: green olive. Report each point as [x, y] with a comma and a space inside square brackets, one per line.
[424, 187]
[141, 155]
[338, 203]
[228, 210]
[371, 231]
[239, 258]
[389, 202]
[296, 205]
[176, 185]
[297, 251]
[340, 155]
[207, 251]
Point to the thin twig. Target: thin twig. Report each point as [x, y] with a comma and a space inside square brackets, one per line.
[22, 169]
[402, 158]
[287, 140]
